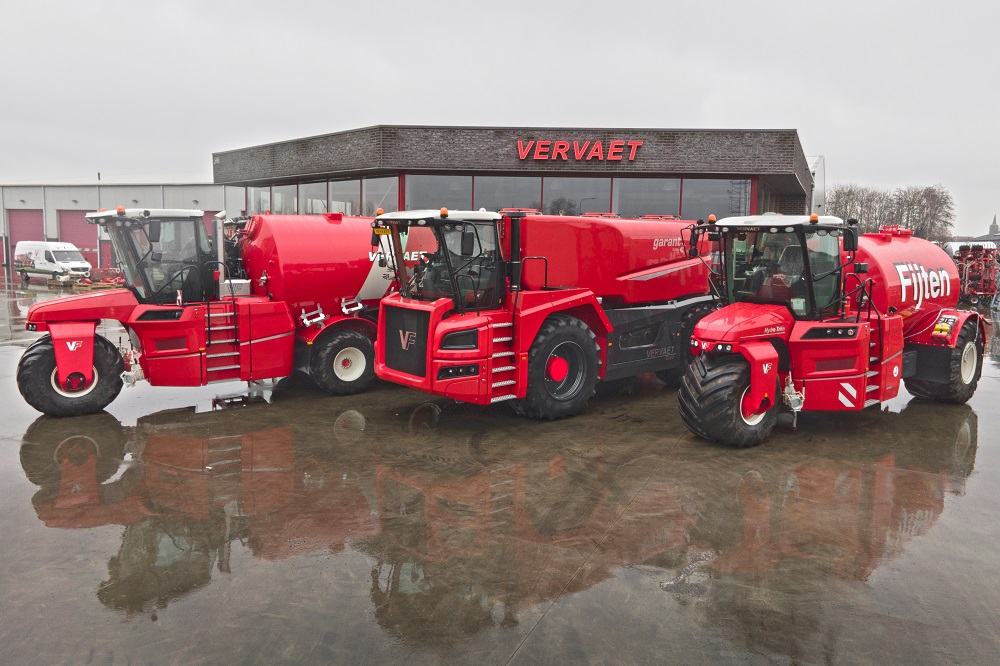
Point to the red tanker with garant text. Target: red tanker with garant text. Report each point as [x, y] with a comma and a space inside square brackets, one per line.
[819, 319]
[255, 299]
[536, 309]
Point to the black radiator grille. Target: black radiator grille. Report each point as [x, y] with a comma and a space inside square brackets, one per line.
[406, 340]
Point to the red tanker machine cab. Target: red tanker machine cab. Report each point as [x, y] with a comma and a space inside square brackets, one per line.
[816, 318]
[258, 298]
[535, 309]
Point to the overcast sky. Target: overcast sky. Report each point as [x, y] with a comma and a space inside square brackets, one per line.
[892, 93]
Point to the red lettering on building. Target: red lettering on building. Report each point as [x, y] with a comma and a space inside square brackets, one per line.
[633, 146]
[615, 151]
[546, 150]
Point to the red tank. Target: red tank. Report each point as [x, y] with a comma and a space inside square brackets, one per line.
[911, 276]
[622, 260]
[313, 260]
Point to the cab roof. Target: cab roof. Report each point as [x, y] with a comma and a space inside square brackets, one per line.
[158, 213]
[435, 216]
[769, 220]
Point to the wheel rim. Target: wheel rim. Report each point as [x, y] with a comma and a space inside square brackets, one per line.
[349, 364]
[564, 371]
[746, 414]
[54, 380]
[970, 358]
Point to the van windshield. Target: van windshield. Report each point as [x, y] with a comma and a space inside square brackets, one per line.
[68, 255]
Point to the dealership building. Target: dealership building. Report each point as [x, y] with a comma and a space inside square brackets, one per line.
[631, 172]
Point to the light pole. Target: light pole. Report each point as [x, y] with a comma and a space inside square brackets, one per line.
[579, 206]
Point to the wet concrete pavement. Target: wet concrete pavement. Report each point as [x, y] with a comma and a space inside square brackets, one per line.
[214, 525]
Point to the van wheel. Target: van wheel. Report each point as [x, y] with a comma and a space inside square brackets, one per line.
[38, 383]
[343, 362]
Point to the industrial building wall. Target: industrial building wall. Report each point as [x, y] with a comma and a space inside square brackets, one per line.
[57, 212]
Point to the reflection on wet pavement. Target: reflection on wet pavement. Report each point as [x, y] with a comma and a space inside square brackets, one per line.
[285, 525]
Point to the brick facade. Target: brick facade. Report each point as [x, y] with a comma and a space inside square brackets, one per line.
[775, 155]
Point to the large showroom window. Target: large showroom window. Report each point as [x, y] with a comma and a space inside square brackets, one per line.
[434, 192]
[634, 197]
[573, 196]
[703, 197]
[379, 193]
[312, 198]
[283, 199]
[258, 200]
[345, 197]
[497, 192]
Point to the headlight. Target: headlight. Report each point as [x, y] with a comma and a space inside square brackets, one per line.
[467, 339]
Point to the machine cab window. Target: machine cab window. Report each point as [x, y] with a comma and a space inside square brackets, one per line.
[450, 258]
[162, 256]
[789, 266]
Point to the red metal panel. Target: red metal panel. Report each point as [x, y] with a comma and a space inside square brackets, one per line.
[210, 221]
[73, 228]
[25, 225]
[107, 261]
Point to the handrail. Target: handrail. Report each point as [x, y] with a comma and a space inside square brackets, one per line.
[524, 260]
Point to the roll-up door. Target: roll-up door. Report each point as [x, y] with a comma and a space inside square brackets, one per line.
[73, 228]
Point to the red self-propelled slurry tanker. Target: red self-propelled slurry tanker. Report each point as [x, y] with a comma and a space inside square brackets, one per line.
[536, 309]
[254, 299]
[819, 319]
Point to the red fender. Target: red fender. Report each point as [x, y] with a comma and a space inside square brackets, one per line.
[763, 359]
[309, 335]
[74, 346]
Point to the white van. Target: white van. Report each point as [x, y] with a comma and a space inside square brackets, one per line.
[49, 260]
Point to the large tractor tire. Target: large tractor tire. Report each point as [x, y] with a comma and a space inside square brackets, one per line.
[39, 385]
[562, 369]
[343, 362]
[711, 402]
[965, 369]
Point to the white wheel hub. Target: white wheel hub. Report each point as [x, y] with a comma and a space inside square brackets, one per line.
[349, 364]
[753, 419]
[72, 394]
[970, 359]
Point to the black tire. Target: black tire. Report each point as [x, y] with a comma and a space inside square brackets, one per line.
[36, 380]
[710, 400]
[563, 345]
[964, 370]
[55, 276]
[343, 362]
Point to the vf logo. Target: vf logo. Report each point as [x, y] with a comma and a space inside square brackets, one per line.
[767, 367]
[407, 339]
[74, 345]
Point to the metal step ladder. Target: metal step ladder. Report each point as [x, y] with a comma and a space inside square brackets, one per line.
[502, 365]
[222, 351]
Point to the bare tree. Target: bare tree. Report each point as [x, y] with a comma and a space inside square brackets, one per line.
[928, 211]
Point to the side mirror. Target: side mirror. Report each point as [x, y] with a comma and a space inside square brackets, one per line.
[693, 252]
[375, 239]
[850, 240]
[468, 242]
[154, 231]
[860, 267]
